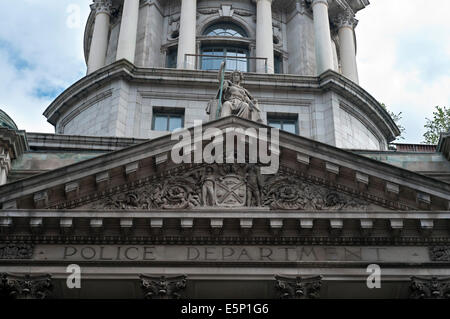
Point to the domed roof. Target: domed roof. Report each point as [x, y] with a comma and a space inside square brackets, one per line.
[6, 121]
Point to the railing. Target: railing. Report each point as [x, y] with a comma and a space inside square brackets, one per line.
[212, 62]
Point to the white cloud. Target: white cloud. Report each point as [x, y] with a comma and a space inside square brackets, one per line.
[403, 48]
[39, 54]
[404, 58]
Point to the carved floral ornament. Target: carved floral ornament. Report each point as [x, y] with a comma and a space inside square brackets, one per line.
[231, 185]
[163, 287]
[25, 287]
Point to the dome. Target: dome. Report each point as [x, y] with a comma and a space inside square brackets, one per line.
[6, 121]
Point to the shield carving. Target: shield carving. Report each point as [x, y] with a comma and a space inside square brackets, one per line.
[231, 191]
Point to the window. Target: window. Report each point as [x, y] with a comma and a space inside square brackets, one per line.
[167, 120]
[172, 57]
[225, 30]
[278, 64]
[236, 58]
[288, 123]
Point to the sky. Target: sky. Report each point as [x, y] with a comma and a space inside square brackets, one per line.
[403, 57]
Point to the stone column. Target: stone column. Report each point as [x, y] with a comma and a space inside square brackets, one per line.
[99, 43]
[126, 47]
[346, 23]
[264, 36]
[5, 165]
[188, 32]
[322, 34]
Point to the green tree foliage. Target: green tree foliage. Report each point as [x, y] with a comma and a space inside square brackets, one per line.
[397, 118]
[439, 124]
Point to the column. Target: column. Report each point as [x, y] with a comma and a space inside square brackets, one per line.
[346, 23]
[264, 36]
[126, 47]
[188, 31]
[99, 43]
[324, 52]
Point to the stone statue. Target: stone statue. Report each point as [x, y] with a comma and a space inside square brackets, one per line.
[236, 100]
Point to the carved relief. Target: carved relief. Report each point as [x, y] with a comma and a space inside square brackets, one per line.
[434, 288]
[277, 34]
[15, 251]
[284, 192]
[174, 27]
[25, 287]
[229, 185]
[440, 253]
[299, 288]
[163, 287]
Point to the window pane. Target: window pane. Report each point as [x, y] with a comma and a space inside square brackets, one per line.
[225, 30]
[275, 124]
[290, 127]
[160, 123]
[175, 122]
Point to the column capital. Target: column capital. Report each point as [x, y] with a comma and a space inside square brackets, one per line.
[346, 19]
[102, 6]
[314, 2]
[256, 1]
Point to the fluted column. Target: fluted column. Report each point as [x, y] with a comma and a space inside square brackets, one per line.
[99, 43]
[188, 30]
[264, 36]
[322, 34]
[126, 47]
[346, 23]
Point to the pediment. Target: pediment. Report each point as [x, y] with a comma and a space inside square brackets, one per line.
[311, 177]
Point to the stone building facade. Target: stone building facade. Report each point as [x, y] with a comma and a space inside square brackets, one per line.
[105, 195]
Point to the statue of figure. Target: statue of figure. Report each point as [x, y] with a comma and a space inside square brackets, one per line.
[236, 100]
[208, 184]
[253, 182]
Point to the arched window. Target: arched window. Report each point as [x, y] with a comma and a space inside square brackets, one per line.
[236, 55]
[225, 29]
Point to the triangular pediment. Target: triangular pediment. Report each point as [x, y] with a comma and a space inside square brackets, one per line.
[311, 176]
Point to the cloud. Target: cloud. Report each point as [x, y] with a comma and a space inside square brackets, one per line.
[404, 58]
[40, 56]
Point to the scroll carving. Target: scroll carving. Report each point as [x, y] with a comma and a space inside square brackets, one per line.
[430, 288]
[298, 288]
[25, 287]
[163, 287]
[229, 185]
[16, 251]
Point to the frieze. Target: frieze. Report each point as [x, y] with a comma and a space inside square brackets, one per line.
[143, 194]
[231, 185]
[16, 251]
[256, 253]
